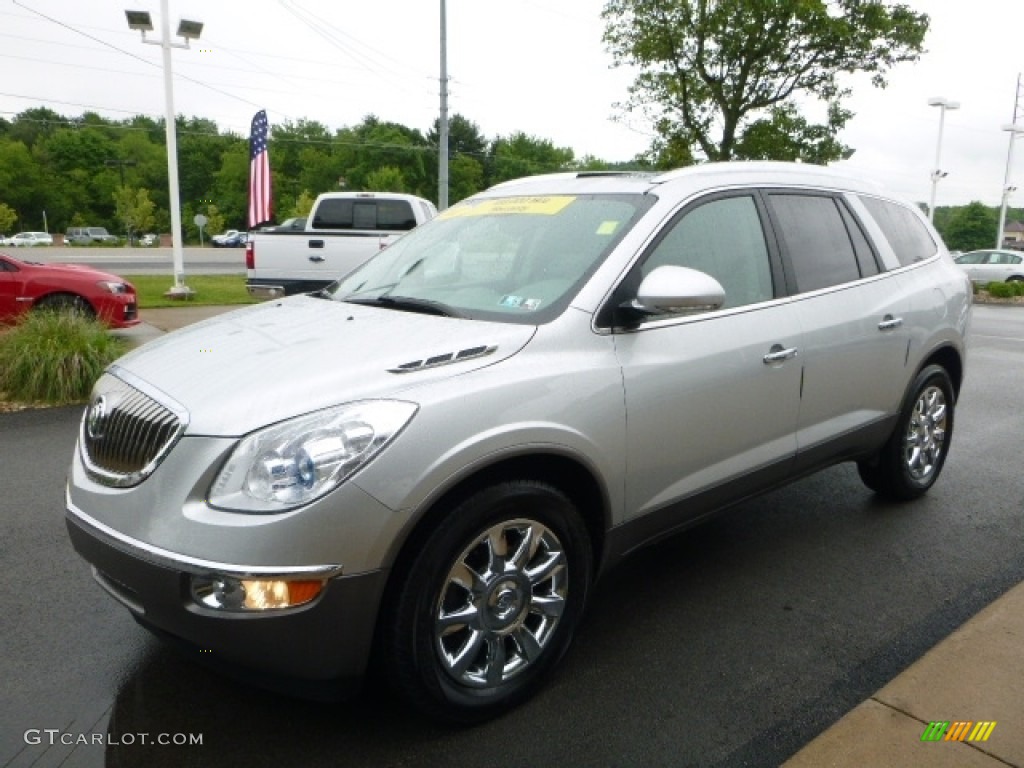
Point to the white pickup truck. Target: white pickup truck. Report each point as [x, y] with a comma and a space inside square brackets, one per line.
[343, 230]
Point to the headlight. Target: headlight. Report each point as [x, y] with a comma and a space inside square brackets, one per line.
[294, 462]
[111, 287]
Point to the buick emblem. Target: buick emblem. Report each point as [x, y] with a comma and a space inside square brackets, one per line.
[96, 418]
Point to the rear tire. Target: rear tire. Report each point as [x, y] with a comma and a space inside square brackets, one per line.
[912, 459]
[489, 604]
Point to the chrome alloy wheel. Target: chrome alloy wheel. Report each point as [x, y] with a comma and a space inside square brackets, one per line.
[925, 439]
[500, 603]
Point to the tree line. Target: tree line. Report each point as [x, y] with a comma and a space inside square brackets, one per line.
[58, 171]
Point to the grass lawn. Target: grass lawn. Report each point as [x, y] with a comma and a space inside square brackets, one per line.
[210, 290]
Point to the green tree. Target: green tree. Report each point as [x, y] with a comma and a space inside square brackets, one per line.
[373, 145]
[7, 217]
[521, 155]
[35, 123]
[386, 179]
[214, 221]
[22, 184]
[971, 227]
[231, 186]
[712, 71]
[465, 177]
[467, 153]
[303, 204]
[134, 209]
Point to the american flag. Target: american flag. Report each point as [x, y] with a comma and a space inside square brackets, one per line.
[259, 171]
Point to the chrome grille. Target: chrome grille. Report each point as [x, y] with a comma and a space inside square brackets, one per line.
[126, 431]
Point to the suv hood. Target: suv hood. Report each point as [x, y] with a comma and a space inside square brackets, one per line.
[262, 364]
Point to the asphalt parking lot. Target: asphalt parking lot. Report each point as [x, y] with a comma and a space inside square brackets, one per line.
[731, 645]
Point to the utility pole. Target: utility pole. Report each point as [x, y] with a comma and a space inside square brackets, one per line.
[120, 166]
[1014, 128]
[442, 130]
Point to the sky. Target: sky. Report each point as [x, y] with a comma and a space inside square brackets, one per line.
[537, 66]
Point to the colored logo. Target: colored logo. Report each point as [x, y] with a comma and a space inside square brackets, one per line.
[958, 730]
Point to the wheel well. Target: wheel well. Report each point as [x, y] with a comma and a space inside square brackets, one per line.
[566, 474]
[949, 359]
[58, 295]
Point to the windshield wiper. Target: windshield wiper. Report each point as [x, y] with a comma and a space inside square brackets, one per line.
[409, 304]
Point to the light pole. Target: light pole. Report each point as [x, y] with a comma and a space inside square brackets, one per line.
[189, 30]
[937, 174]
[1014, 128]
[442, 122]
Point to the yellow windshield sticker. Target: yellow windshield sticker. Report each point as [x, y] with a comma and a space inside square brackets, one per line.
[545, 206]
[607, 227]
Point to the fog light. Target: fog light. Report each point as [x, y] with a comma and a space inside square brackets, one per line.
[231, 594]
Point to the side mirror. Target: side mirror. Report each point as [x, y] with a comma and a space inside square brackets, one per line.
[676, 290]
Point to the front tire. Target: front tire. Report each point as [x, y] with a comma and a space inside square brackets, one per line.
[912, 459]
[490, 602]
[65, 302]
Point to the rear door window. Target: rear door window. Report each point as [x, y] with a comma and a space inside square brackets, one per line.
[816, 239]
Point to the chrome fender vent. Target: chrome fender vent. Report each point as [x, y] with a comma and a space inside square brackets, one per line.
[447, 358]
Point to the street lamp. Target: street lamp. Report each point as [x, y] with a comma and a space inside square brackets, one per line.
[943, 104]
[189, 30]
[1014, 129]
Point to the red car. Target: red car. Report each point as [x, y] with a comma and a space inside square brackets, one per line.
[28, 284]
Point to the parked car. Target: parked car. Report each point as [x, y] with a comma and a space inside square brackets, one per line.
[5, 240]
[88, 235]
[28, 285]
[148, 241]
[433, 459]
[989, 266]
[288, 225]
[233, 238]
[30, 239]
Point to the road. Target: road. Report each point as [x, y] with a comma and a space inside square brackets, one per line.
[731, 645]
[142, 261]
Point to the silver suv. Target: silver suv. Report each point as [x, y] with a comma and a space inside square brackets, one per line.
[431, 461]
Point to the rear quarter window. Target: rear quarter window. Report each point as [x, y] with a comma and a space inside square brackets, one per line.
[366, 215]
[906, 233]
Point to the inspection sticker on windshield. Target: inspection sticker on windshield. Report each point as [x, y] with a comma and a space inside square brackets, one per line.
[519, 302]
[607, 227]
[546, 206]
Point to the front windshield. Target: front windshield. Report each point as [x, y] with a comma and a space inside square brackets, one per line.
[512, 259]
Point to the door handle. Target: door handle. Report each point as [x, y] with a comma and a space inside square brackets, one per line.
[779, 354]
[890, 323]
[316, 258]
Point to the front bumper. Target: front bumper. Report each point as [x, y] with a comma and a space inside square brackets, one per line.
[319, 649]
[119, 310]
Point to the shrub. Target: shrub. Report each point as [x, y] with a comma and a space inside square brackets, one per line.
[1018, 287]
[55, 357]
[1000, 290]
